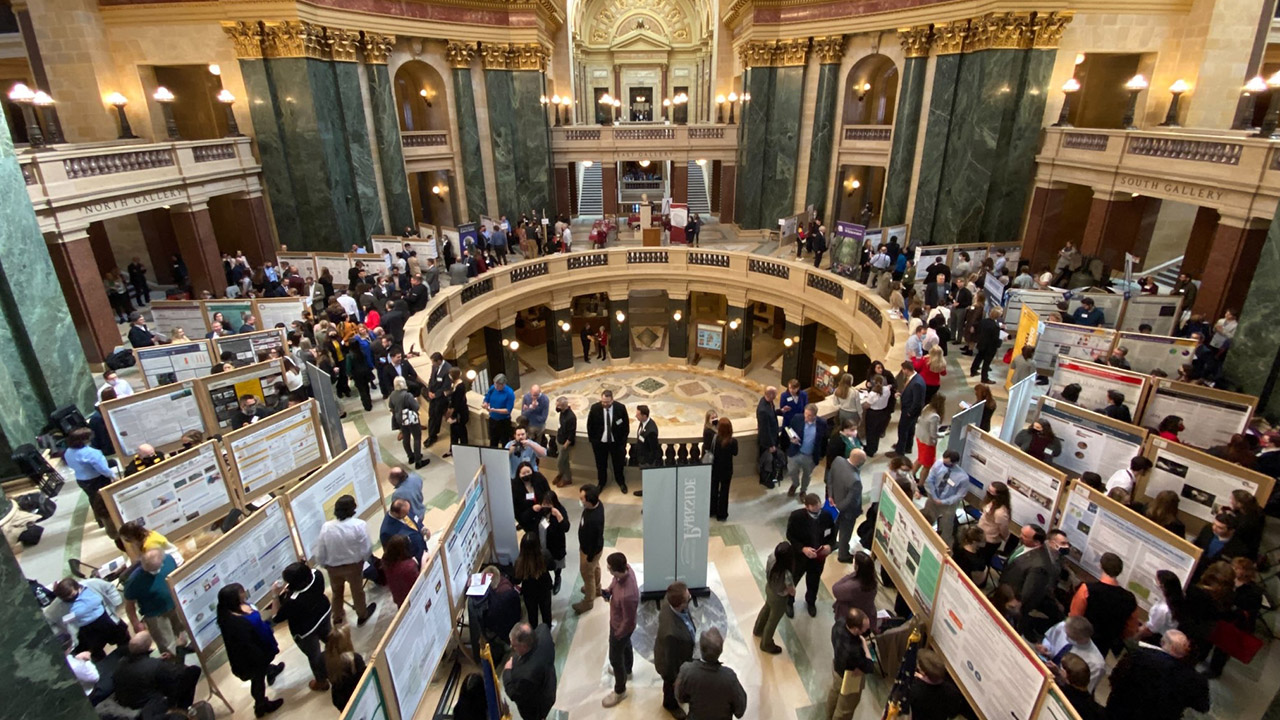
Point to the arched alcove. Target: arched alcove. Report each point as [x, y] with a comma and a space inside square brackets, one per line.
[420, 98]
[871, 91]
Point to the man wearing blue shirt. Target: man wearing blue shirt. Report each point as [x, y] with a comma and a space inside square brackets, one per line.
[523, 450]
[408, 487]
[1087, 314]
[535, 407]
[947, 484]
[92, 474]
[808, 434]
[498, 401]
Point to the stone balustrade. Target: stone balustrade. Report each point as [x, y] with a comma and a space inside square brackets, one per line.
[628, 141]
[426, 150]
[866, 145]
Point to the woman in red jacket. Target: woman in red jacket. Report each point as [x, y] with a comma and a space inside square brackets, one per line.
[931, 367]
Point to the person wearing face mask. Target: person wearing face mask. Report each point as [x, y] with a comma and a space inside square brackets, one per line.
[1032, 572]
[947, 484]
[1038, 441]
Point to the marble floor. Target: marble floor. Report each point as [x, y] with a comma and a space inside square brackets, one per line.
[676, 396]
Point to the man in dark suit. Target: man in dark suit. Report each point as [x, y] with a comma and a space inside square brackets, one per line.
[139, 334]
[818, 244]
[530, 674]
[650, 450]
[1157, 684]
[416, 296]
[1033, 572]
[987, 345]
[393, 322]
[1219, 541]
[938, 292]
[911, 404]
[397, 366]
[674, 643]
[437, 384]
[767, 436]
[398, 521]
[812, 534]
[608, 427]
[808, 447]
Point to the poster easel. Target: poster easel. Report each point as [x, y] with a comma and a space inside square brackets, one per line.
[246, 447]
[207, 453]
[307, 514]
[1224, 475]
[220, 393]
[119, 416]
[257, 341]
[195, 350]
[893, 501]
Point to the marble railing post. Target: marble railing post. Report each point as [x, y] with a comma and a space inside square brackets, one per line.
[677, 330]
[461, 56]
[769, 136]
[830, 51]
[798, 359]
[199, 246]
[619, 330]
[1235, 254]
[386, 129]
[560, 341]
[906, 124]
[518, 127]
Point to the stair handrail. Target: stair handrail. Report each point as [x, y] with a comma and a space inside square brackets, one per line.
[1163, 266]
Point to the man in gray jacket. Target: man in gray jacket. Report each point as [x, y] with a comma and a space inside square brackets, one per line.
[673, 645]
[711, 689]
[844, 490]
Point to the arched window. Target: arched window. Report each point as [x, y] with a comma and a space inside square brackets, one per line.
[871, 91]
[420, 98]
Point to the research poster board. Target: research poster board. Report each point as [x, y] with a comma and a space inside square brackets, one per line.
[1064, 340]
[273, 453]
[908, 548]
[158, 417]
[961, 423]
[710, 337]
[454, 236]
[223, 390]
[232, 310]
[336, 263]
[305, 263]
[1055, 706]
[1022, 398]
[175, 497]
[1034, 487]
[248, 347]
[367, 702]
[1095, 380]
[175, 362]
[994, 290]
[253, 554]
[996, 670]
[926, 255]
[900, 233]
[1027, 334]
[279, 311]
[1091, 441]
[1111, 304]
[1043, 302]
[186, 314]
[466, 543]
[1161, 312]
[1012, 254]
[1096, 524]
[1156, 352]
[1211, 416]
[353, 473]
[418, 637]
[1203, 482]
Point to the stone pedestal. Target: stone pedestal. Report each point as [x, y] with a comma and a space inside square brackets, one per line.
[619, 332]
[199, 246]
[737, 340]
[1235, 254]
[678, 330]
[798, 359]
[85, 294]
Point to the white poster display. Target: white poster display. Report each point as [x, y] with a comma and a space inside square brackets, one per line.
[995, 293]
[466, 542]
[907, 542]
[1095, 527]
[1022, 398]
[1089, 443]
[1059, 340]
[788, 227]
[990, 662]
[226, 389]
[1161, 312]
[367, 702]
[961, 423]
[280, 311]
[248, 347]
[1210, 421]
[1033, 489]
[305, 262]
[185, 490]
[1111, 305]
[1156, 352]
[351, 473]
[265, 453]
[185, 314]
[710, 336]
[336, 263]
[165, 364]
[417, 642]
[159, 420]
[502, 512]
[1094, 381]
[660, 527]
[254, 558]
[1203, 488]
[925, 256]
[1043, 302]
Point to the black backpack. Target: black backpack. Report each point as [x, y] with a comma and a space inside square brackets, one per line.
[120, 359]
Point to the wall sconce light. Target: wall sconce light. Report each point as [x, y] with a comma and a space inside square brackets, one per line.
[644, 163]
[621, 316]
[1069, 89]
[702, 162]
[851, 185]
[1136, 84]
[555, 107]
[166, 98]
[786, 342]
[720, 108]
[1176, 89]
[733, 324]
[215, 69]
[438, 191]
[543, 99]
[862, 91]
[1079, 58]
[1273, 110]
[506, 342]
[733, 101]
[566, 102]
[227, 99]
[834, 370]
[677, 315]
[471, 376]
[1249, 93]
[640, 98]
[514, 346]
[25, 97]
[587, 163]
[118, 101]
[565, 326]
[426, 97]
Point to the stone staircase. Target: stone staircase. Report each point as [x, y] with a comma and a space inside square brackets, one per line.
[698, 201]
[591, 192]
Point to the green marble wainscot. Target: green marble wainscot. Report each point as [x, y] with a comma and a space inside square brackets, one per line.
[263, 108]
[386, 128]
[778, 190]
[906, 131]
[1011, 186]
[753, 149]
[359, 153]
[823, 139]
[936, 137]
[1254, 361]
[500, 94]
[469, 144]
[535, 184]
[39, 683]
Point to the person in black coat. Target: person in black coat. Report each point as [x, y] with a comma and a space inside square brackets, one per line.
[530, 675]
[139, 334]
[437, 400]
[912, 404]
[767, 436]
[585, 337]
[1116, 409]
[458, 414]
[608, 440]
[392, 321]
[416, 296]
[554, 528]
[528, 488]
[987, 345]
[723, 447]
[818, 244]
[938, 292]
[812, 534]
[301, 602]
[250, 646]
[359, 350]
[650, 449]
[1220, 541]
[1157, 684]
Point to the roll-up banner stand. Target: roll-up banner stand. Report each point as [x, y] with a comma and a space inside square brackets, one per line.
[677, 505]
[330, 410]
[1026, 334]
[1211, 416]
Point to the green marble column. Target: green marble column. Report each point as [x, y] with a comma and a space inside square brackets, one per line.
[469, 144]
[351, 123]
[1253, 364]
[821, 143]
[1011, 183]
[386, 128]
[752, 146]
[936, 136]
[906, 130]
[770, 146]
[521, 142]
[276, 178]
[46, 368]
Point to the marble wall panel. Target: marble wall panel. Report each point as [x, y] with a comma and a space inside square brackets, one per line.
[1256, 348]
[500, 95]
[535, 183]
[359, 154]
[822, 142]
[778, 189]
[753, 144]
[936, 138]
[469, 143]
[906, 131]
[263, 108]
[386, 128]
[1011, 186]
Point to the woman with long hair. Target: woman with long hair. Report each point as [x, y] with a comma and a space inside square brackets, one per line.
[251, 646]
[1163, 511]
[400, 566]
[982, 393]
[994, 522]
[1166, 613]
[848, 400]
[876, 397]
[709, 421]
[344, 664]
[552, 532]
[1207, 602]
[928, 431]
[534, 579]
[528, 488]
[1237, 450]
[932, 368]
[858, 589]
[1249, 520]
[1170, 427]
[779, 587]
[969, 552]
[1038, 441]
[724, 448]
[458, 414]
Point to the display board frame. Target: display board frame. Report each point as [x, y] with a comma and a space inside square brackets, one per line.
[304, 261]
[905, 510]
[1172, 363]
[370, 681]
[165, 327]
[139, 356]
[333, 261]
[225, 305]
[256, 371]
[1088, 416]
[110, 407]
[260, 306]
[236, 460]
[930, 253]
[318, 476]
[1156, 444]
[1125, 514]
[1135, 392]
[1081, 342]
[110, 492]
[1163, 325]
[1211, 396]
[1044, 302]
[458, 599]
[380, 656]
[975, 439]
[1061, 708]
[256, 335]
[1111, 304]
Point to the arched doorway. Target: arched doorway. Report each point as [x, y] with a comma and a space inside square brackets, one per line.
[871, 91]
[420, 98]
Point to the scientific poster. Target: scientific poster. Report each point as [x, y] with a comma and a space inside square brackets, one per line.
[186, 490]
[417, 642]
[468, 538]
[248, 348]
[908, 543]
[280, 311]
[925, 257]
[1056, 707]
[1043, 302]
[159, 419]
[265, 453]
[1202, 487]
[1159, 311]
[1110, 304]
[1089, 443]
[226, 389]
[349, 474]
[1094, 381]
[1063, 340]
[710, 337]
[186, 314]
[1034, 490]
[1211, 420]
[1156, 352]
[165, 364]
